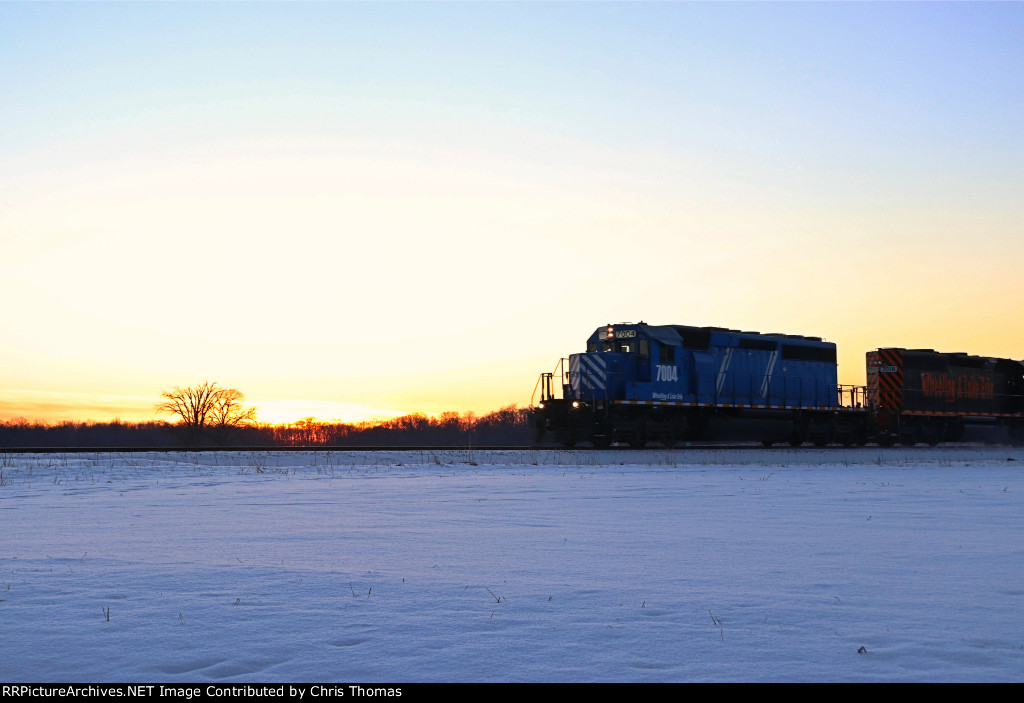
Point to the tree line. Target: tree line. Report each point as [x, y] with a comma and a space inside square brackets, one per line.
[504, 427]
[507, 426]
[209, 415]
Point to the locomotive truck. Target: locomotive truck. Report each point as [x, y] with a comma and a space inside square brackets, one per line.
[638, 383]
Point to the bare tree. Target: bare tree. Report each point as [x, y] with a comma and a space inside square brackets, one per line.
[228, 414]
[206, 405]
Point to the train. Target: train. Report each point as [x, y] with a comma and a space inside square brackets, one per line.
[639, 384]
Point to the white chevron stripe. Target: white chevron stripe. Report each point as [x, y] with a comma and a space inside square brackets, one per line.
[726, 359]
[595, 371]
[772, 358]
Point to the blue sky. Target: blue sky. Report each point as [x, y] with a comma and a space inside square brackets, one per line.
[420, 206]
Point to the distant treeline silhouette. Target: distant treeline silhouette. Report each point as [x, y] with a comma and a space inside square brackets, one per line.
[507, 426]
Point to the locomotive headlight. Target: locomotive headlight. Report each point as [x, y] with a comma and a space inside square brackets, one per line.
[610, 334]
[575, 403]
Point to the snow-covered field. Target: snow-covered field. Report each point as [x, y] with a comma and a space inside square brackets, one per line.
[865, 565]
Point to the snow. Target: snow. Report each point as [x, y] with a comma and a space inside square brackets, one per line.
[692, 565]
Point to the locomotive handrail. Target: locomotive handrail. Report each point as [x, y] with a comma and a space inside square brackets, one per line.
[535, 387]
[855, 395]
[546, 389]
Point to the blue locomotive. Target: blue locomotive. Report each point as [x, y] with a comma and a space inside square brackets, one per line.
[668, 383]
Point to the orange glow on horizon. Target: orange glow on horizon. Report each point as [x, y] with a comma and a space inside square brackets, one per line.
[54, 408]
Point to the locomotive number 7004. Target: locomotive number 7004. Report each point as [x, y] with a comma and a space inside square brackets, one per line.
[667, 373]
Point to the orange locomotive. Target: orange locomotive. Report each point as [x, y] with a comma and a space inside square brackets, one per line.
[921, 395]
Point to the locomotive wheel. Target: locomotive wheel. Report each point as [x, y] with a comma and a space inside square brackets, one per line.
[910, 434]
[601, 441]
[886, 441]
[767, 443]
[567, 439]
[795, 442]
[1017, 435]
[639, 439]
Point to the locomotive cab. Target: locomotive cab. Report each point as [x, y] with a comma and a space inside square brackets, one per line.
[614, 357]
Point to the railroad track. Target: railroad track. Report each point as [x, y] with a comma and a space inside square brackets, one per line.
[738, 446]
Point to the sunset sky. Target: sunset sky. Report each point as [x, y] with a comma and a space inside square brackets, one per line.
[352, 210]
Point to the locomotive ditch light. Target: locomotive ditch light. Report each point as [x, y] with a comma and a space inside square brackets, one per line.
[540, 405]
[575, 403]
